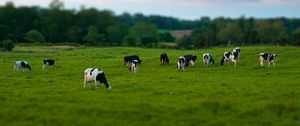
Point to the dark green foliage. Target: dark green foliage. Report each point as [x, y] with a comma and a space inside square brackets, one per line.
[34, 36]
[7, 45]
[185, 43]
[296, 36]
[93, 37]
[59, 25]
[166, 37]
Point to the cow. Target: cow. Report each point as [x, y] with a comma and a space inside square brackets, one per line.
[48, 62]
[164, 59]
[181, 64]
[190, 59]
[129, 59]
[96, 75]
[21, 64]
[207, 59]
[134, 66]
[269, 57]
[229, 56]
[238, 50]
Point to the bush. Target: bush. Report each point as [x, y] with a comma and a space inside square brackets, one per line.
[34, 36]
[7, 45]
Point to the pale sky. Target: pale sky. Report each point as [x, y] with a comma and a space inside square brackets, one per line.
[184, 9]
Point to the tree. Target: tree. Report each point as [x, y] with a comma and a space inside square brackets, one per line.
[34, 36]
[73, 34]
[146, 34]
[56, 4]
[166, 37]
[93, 37]
[185, 43]
[296, 37]
[117, 33]
[7, 45]
[230, 33]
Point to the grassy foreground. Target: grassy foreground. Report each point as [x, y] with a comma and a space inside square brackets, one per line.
[215, 96]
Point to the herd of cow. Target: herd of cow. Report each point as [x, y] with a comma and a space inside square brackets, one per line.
[96, 75]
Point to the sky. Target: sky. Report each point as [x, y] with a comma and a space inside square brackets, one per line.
[184, 9]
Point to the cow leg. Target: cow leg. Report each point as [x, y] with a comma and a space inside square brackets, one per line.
[97, 83]
[44, 67]
[84, 82]
[269, 64]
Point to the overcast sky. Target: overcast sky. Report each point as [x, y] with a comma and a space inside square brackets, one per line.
[185, 9]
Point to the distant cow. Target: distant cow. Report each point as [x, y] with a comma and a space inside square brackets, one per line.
[164, 59]
[238, 50]
[48, 62]
[134, 66]
[190, 59]
[129, 59]
[229, 56]
[181, 64]
[97, 75]
[269, 57]
[21, 64]
[207, 59]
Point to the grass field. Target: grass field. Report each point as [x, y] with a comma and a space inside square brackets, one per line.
[247, 95]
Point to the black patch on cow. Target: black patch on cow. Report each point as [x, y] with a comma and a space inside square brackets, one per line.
[49, 62]
[235, 54]
[25, 65]
[164, 58]
[92, 71]
[265, 56]
[129, 59]
[102, 79]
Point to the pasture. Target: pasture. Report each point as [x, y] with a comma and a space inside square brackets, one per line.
[156, 95]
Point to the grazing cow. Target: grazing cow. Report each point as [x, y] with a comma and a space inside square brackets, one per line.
[134, 65]
[129, 59]
[97, 75]
[181, 64]
[164, 59]
[238, 50]
[21, 64]
[207, 59]
[229, 56]
[48, 62]
[269, 57]
[190, 59]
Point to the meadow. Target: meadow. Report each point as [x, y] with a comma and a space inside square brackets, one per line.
[245, 95]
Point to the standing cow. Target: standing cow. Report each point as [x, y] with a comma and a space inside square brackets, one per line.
[229, 56]
[269, 57]
[21, 64]
[181, 64]
[48, 62]
[134, 66]
[129, 59]
[207, 59]
[164, 59]
[96, 75]
[190, 59]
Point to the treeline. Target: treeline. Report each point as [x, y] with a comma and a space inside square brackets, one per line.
[90, 26]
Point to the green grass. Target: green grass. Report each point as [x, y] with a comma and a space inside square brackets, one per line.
[247, 95]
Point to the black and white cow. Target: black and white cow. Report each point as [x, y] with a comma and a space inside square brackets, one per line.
[207, 59]
[48, 62]
[238, 50]
[134, 66]
[164, 59]
[229, 56]
[190, 59]
[181, 64]
[96, 75]
[129, 59]
[268, 57]
[21, 64]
